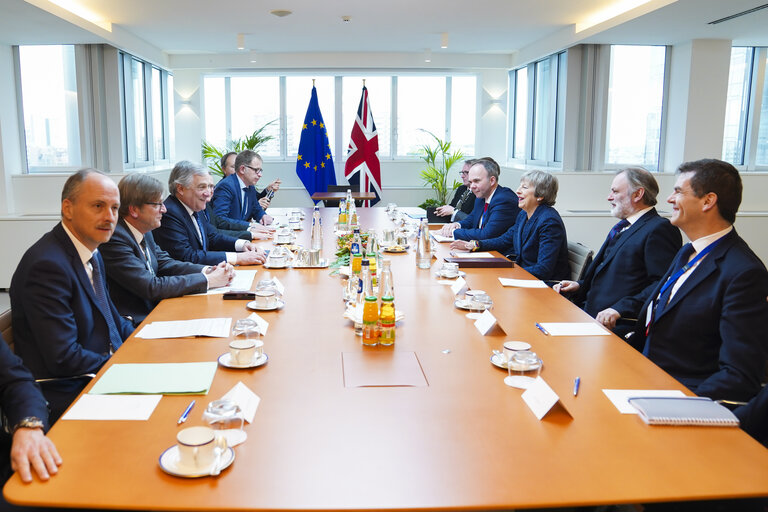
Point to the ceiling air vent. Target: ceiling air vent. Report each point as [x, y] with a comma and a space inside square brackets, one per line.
[738, 14]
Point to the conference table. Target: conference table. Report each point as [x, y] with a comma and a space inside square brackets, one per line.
[462, 440]
[337, 196]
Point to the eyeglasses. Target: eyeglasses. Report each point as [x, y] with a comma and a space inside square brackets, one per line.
[464, 172]
[257, 170]
[156, 205]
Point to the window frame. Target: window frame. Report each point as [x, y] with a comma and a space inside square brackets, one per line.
[750, 124]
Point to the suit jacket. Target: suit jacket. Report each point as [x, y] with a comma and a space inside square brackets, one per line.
[467, 198]
[754, 417]
[58, 328]
[135, 290]
[228, 202]
[177, 236]
[20, 397]
[224, 226]
[710, 336]
[623, 275]
[501, 215]
[538, 244]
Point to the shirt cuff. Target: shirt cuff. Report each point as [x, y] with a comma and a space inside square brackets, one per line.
[231, 258]
[239, 246]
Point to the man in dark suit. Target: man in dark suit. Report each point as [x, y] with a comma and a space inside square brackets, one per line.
[139, 273]
[495, 208]
[231, 228]
[236, 198]
[633, 257]
[186, 235]
[64, 324]
[463, 201]
[704, 323]
[24, 448]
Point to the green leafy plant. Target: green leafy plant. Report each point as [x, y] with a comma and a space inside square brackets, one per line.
[212, 154]
[439, 160]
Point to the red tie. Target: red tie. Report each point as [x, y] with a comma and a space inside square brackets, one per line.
[482, 217]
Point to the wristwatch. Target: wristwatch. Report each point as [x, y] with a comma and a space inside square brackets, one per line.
[474, 245]
[28, 422]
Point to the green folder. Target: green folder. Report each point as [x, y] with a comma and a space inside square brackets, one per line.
[156, 379]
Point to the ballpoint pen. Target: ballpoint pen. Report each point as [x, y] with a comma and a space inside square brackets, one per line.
[576, 386]
[184, 415]
[542, 329]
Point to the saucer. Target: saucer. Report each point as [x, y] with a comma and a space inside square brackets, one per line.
[396, 249]
[462, 304]
[169, 462]
[442, 275]
[267, 265]
[500, 362]
[254, 306]
[225, 359]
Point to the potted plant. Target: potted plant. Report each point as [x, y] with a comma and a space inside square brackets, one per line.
[212, 155]
[439, 160]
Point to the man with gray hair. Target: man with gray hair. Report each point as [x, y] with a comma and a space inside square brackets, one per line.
[65, 326]
[139, 273]
[633, 258]
[186, 235]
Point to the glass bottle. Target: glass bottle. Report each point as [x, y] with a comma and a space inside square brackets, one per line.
[387, 321]
[372, 256]
[356, 252]
[370, 309]
[316, 237]
[342, 215]
[423, 246]
[360, 299]
[386, 284]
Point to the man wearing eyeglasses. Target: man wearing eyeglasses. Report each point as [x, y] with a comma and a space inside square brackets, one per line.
[463, 199]
[139, 273]
[236, 198]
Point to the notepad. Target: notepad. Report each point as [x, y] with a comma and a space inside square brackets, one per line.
[683, 411]
[522, 283]
[156, 379]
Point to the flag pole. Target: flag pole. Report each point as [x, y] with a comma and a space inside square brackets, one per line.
[363, 82]
[313, 82]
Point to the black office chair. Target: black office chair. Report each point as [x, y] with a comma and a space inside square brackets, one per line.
[334, 203]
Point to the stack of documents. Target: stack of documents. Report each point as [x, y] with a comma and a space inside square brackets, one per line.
[213, 327]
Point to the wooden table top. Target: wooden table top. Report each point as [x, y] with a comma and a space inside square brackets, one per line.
[464, 441]
[323, 196]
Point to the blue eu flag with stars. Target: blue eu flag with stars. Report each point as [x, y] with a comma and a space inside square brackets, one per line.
[314, 163]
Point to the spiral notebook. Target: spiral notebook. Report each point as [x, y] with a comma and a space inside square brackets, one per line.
[683, 411]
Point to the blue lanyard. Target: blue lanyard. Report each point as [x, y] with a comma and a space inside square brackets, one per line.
[672, 280]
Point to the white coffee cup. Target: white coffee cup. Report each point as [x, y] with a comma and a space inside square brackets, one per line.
[510, 347]
[241, 352]
[266, 298]
[196, 447]
[450, 269]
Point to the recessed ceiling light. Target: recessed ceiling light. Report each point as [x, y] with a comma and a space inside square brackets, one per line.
[281, 13]
[241, 41]
[346, 19]
[444, 40]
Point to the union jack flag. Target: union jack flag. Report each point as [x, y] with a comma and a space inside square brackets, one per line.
[363, 153]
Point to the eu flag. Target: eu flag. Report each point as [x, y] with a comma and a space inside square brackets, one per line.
[314, 164]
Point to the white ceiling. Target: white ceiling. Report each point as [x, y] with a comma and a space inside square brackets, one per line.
[177, 27]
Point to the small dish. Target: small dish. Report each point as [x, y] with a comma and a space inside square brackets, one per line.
[396, 249]
[442, 275]
[225, 360]
[169, 462]
[256, 307]
[462, 304]
[501, 362]
[268, 265]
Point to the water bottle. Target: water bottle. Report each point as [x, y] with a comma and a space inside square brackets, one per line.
[423, 246]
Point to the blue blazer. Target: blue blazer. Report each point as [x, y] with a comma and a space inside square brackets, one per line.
[58, 328]
[177, 236]
[711, 335]
[224, 226]
[623, 276]
[501, 215]
[135, 290]
[228, 202]
[538, 244]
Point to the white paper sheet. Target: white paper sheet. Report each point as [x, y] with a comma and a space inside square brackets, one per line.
[472, 255]
[574, 329]
[619, 397]
[440, 238]
[113, 407]
[243, 280]
[522, 283]
[262, 324]
[247, 400]
[213, 327]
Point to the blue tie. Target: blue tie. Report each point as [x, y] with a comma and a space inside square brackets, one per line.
[202, 231]
[103, 302]
[615, 230]
[244, 214]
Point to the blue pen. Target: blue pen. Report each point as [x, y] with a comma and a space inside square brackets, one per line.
[185, 414]
[576, 386]
[539, 327]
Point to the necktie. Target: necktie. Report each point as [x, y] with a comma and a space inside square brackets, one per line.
[100, 291]
[245, 203]
[615, 230]
[144, 249]
[203, 239]
[482, 217]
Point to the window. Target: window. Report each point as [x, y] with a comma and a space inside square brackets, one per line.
[445, 105]
[745, 137]
[50, 106]
[537, 103]
[146, 109]
[635, 96]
